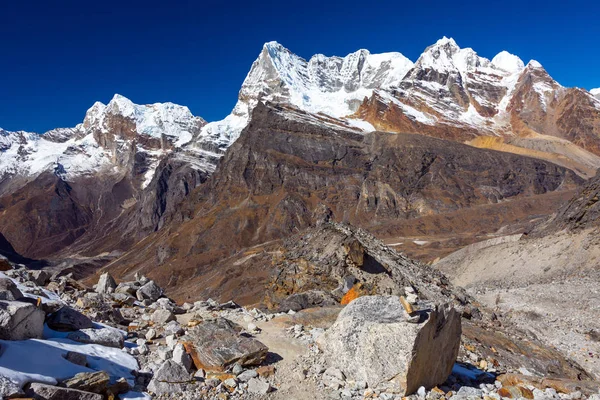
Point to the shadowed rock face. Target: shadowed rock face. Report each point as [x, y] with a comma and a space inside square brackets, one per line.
[272, 179]
[50, 217]
[581, 212]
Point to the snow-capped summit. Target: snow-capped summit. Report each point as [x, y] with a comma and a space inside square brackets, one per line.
[445, 56]
[154, 120]
[533, 64]
[508, 62]
[102, 140]
[334, 85]
[595, 93]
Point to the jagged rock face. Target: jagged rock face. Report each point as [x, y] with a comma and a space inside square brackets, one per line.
[281, 168]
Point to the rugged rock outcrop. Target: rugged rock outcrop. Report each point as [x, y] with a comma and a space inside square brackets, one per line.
[20, 320]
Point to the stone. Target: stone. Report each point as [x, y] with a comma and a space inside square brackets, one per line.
[9, 389]
[151, 334]
[173, 328]
[467, 391]
[334, 378]
[95, 382]
[109, 337]
[247, 375]
[171, 341]
[106, 284]
[20, 320]
[120, 386]
[47, 392]
[68, 319]
[40, 277]
[181, 357]
[141, 279]
[129, 288]
[149, 291]
[252, 328]
[162, 316]
[170, 377]
[237, 369]
[230, 383]
[200, 374]
[164, 353]
[76, 358]
[215, 345]
[9, 290]
[258, 386]
[124, 299]
[371, 341]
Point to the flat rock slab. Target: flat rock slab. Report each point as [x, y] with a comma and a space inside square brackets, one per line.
[214, 345]
[373, 341]
[9, 290]
[39, 391]
[20, 321]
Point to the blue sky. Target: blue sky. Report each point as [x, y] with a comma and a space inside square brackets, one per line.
[58, 58]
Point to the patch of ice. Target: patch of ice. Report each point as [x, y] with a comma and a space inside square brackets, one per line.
[420, 242]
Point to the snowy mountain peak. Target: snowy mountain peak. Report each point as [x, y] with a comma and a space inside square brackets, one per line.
[445, 56]
[154, 120]
[508, 62]
[595, 93]
[533, 64]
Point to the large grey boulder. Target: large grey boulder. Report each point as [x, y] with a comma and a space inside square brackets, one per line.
[20, 321]
[9, 290]
[150, 291]
[40, 391]
[68, 319]
[104, 336]
[162, 316]
[373, 341]
[106, 284]
[169, 378]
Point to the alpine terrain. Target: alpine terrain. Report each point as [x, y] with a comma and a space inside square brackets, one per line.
[357, 227]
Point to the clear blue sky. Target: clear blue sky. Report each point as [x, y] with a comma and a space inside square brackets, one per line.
[58, 57]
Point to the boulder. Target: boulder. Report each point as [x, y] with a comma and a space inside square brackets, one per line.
[258, 386]
[149, 291]
[162, 316]
[76, 358]
[106, 284]
[169, 378]
[109, 337]
[215, 345]
[20, 320]
[68, 319]
[40, 391]
[124, 298]
[40, 277]
[373, 341]
[95, 382]
[8, 388]
[9, 290]
[181, 357]
[127, 288]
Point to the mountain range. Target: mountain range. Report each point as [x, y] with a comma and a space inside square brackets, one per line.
[452, 148]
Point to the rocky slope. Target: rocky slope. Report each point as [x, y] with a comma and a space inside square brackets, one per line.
[554, 265]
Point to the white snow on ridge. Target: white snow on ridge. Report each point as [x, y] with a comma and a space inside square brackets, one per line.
[595, 93]
[508, 62]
